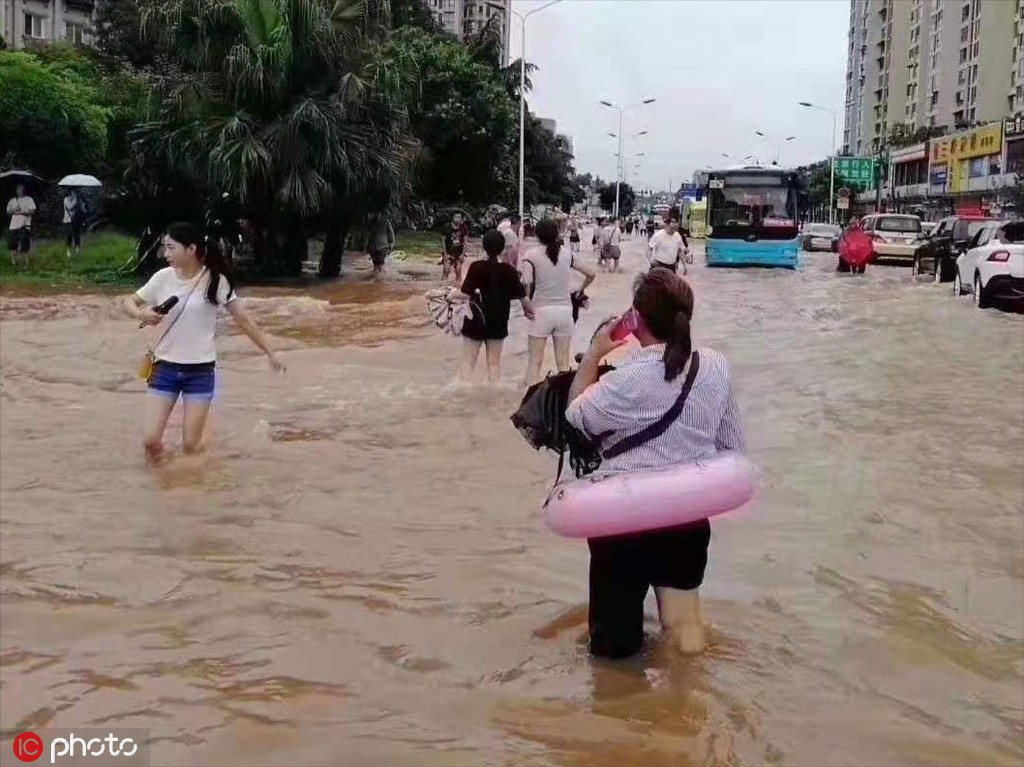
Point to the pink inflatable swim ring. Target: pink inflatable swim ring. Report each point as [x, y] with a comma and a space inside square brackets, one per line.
[617, 504]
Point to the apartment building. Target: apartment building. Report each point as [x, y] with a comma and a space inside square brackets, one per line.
[27, 22]
[938, 63]
[467, 18]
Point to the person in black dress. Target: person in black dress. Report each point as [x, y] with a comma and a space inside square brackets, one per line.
[491, 286]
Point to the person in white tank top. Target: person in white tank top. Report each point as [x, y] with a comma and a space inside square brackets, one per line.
[547, 275]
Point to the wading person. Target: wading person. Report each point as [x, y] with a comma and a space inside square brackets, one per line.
[547, 274]
[667, 249]
[612, 251]
[621, 404]
[381, 242]
[510, 229]
[454, 250]
[20, 208]
[574, 235]
[492, 286]
[183, 359]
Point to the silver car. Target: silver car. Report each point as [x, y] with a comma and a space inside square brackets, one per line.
[820, 237]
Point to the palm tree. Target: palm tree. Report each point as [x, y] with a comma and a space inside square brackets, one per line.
[287, 106]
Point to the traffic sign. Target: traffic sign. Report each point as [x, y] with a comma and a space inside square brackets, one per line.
[857, 172]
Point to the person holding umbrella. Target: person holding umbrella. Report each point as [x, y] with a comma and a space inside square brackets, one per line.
[74, 217]
[20, 208]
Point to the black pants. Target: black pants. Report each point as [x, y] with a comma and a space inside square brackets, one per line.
[623, 568]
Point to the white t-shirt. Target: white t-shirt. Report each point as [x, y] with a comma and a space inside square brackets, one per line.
[665, 247]
[190, 339]
[611, 235]
[552, 282]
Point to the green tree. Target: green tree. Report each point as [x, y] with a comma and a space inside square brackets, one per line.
[463, 118]
[550, 178]
[291, 107]
[627, 198]
[119, 32]
[51, 121]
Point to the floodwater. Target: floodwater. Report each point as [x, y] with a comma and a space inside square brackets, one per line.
[358, 574]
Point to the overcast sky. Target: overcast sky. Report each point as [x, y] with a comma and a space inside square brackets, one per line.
[719, 69]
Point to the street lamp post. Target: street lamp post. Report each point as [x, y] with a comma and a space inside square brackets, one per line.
[832, 172]
[522, 98]
[778, 143]
[619, 170]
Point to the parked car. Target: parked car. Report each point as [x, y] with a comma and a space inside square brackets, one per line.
[820, 237]
[927, 227]
[893, 235]
[937, 255]
[993, 266]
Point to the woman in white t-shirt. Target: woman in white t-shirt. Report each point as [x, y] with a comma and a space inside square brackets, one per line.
[547, 275]
[186, 298]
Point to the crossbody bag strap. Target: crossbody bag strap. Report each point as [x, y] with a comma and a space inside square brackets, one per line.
[657, 428]
[177, 316]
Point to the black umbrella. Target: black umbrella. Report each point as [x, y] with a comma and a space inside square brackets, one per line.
[12, 178]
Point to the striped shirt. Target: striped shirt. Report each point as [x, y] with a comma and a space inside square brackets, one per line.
[636, 394]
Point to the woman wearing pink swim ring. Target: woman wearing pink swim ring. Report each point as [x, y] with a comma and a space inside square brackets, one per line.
[620, 406]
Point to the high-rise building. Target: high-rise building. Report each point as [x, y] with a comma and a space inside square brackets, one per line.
[28, 22]
[467, 18]
[937, 63]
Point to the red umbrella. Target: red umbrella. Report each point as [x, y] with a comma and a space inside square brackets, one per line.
[855, 247]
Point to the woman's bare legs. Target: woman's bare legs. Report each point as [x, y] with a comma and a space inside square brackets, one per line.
[494, 346]
[470, 354]
[536, 360]
[158, 410]
[681, 618]
[563, 346]
[193, 424]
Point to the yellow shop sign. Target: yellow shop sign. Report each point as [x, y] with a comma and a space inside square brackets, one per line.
[977, 142]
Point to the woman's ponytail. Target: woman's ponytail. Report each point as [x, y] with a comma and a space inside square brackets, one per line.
[678, 346]
[547, 233]
[664, 302]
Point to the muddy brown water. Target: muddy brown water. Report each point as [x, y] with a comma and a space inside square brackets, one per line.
[357, 573]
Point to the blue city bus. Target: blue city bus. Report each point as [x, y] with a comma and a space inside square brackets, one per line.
[752, 217]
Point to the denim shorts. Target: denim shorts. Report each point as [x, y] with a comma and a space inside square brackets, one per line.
[194, 383]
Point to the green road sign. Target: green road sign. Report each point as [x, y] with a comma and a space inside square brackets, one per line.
[856, 172]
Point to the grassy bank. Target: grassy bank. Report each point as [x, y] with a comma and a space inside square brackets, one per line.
[106, 260]
[420, 246]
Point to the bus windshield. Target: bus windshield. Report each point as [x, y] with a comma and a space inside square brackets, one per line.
[739, 211]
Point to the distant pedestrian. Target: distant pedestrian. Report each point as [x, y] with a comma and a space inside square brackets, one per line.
[510, 230]
[596, 243]
[574, 234]
[74, 219]
[612, 250]
[629, 227]
[20, 208]
[454, 249]
[651, 227]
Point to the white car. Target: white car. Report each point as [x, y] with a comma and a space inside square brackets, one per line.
[993, 266]
[893, 235]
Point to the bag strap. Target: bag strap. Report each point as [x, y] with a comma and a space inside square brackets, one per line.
[657, 428]
[167, 330]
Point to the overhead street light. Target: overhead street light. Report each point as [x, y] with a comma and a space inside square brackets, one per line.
[622, 110]
[832, 171]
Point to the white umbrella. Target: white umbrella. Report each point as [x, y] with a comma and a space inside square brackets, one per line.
[79, 179]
